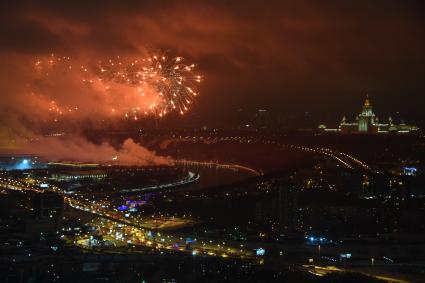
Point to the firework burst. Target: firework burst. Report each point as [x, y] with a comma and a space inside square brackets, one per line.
[156, 85]
[174, 81]
[169, 82]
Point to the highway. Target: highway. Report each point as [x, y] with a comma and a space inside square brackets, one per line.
[121, 228]
[324, 270]
[126, 235]
[345, 159]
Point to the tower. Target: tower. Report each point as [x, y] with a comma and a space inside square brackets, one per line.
[366, 117]
[288, 208]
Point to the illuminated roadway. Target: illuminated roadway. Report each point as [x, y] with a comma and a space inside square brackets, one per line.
[345, 159]
[210, 164]
[192, 177]
[126, 235]
[133, 232]
[324, 270]
[137, 227]
[137, 230]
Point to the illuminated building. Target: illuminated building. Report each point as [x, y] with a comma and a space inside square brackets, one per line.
[72, 165]
[368, 123]
[79, 175]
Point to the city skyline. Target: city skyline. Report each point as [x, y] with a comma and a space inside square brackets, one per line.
[293, 58]
[367, 122]
[212, 141]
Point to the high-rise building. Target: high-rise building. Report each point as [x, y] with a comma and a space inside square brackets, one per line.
[288, 208]
[367, 122]
[47, 212]
[366, 118]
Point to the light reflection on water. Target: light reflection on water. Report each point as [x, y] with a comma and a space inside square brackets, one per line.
[213, 176]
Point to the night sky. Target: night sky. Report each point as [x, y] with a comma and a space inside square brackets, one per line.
[290, 57]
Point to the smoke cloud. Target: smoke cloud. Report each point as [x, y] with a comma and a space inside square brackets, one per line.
[79, 149]
[54, 98]
[252, 54]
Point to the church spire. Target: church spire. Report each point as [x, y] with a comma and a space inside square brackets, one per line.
[367, 101]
